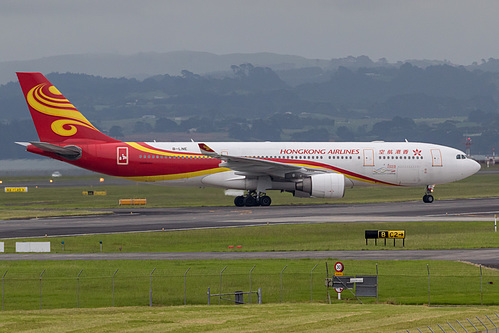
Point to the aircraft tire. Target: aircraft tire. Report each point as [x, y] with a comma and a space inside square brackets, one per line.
[239, 201]
[250, 201]
[265, 201]
[428, 198]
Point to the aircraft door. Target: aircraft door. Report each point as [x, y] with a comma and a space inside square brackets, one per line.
[368, 157]
[436, 158]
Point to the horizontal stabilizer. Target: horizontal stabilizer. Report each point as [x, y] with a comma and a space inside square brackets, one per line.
[69, 152]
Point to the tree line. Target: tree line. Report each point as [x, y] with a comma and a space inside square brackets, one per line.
[440, 104]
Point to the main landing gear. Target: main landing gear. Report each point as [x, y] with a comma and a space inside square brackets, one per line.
[428, 198]
[252, 199]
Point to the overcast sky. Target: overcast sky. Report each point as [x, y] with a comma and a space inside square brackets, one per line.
[454, 30]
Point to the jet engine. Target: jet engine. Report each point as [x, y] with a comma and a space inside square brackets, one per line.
[326, 185]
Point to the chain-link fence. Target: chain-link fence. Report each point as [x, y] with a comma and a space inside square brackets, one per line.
[476, 324]
[121, 286]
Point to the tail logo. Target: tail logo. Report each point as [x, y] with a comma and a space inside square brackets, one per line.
[205, 148]
[46, 99]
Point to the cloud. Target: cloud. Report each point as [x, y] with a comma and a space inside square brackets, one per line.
[460, 31]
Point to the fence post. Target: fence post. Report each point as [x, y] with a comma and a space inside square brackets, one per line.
[461, 325]
[220, 287]
[429, 293]
[251, 270]
[259, 295]
[150, 287]
[3, 289]
[472, 324]
[78, 289]
[209, 295]
[41, 289]
[482, 324]
[113, 284]
[451, 327]
[377, 284]
[185, 286]
[281, 279]
[491, 322]
[481, 285]
[312, 284]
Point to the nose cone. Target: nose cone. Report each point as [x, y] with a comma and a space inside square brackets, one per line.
[473, 167]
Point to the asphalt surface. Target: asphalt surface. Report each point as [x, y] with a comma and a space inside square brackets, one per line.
[155, 219]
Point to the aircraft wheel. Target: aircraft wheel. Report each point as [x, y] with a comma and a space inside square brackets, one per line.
[265, 201]
[428, 198]
[250, 201]
[239, 201]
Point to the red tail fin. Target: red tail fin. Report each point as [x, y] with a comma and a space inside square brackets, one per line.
[55, 118]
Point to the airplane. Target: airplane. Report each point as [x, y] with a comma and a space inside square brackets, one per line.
[305, 169]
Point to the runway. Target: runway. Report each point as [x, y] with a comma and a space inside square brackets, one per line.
[155, 219]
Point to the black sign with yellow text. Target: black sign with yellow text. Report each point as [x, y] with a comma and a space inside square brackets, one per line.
[391, 234]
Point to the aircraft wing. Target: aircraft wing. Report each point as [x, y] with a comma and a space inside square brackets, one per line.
[249, 166]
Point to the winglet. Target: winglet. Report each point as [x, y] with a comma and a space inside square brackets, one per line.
[206, 150]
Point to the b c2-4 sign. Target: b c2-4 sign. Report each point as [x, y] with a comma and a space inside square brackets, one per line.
[391, 234]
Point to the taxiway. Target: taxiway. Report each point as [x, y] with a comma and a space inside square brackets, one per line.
[156, 219]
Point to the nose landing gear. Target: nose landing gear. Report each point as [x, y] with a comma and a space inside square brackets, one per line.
[428, 197]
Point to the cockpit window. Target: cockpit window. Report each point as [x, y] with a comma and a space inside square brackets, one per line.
[461, 157]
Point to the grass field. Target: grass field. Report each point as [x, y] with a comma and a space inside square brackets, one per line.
[400, 282]
[89, 284]
[264, 318]
[51, 197]
[299, 237]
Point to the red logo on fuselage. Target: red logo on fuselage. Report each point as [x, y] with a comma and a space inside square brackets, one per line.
[122, 157]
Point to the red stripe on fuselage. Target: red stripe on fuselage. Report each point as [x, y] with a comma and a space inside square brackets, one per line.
[102, 157]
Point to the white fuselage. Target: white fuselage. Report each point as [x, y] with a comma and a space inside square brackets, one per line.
[362, 163]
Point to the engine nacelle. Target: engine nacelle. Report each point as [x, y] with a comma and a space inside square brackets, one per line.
[326, 185]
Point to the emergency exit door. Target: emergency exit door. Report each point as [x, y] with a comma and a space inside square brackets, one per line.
[436, 158]
[368, 157]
